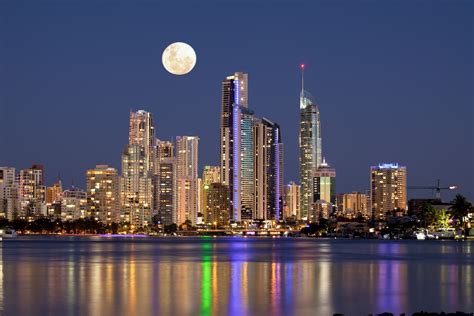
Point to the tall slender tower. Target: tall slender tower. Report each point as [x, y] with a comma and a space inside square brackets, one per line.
[268, 170]
[138, 160]
[236, 120]
[310, 145]
[187, 175]
[234, 91]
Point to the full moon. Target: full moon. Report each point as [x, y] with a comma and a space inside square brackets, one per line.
[179, 58]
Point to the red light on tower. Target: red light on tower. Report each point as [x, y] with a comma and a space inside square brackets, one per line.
[302, 66]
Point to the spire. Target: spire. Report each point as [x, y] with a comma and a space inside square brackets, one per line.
[302, 77]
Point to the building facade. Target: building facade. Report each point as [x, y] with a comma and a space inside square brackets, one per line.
[218, 208]
[310, 142]
[292, 201]
[103, 198]
[387, 189]
[138, 171]
[187, 151]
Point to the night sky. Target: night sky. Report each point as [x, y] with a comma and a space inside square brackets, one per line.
[393, 79]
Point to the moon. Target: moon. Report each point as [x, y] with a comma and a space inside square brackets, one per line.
[179, 58]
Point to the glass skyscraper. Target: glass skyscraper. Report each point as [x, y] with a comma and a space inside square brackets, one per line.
[310, 145]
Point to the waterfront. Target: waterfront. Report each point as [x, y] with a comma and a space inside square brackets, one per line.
[232, 276]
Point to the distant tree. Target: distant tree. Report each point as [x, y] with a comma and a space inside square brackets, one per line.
[460, 208]
[427, 215]
[442, 218]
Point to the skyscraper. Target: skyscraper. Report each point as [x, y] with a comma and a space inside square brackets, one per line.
[167, 191]
[310, 145]
[211, 174]
[217, 204]
[136, 182]
[32, 192]
[234, 92]
[243, 178]
[387, 189]
[268, 170]
[187, 176]
[292, 201]
[142, 133]
[102, 196]
[324, 184]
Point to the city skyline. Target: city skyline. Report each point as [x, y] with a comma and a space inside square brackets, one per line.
[359, 81]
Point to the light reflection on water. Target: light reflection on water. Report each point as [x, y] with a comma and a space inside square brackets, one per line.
[232, 276]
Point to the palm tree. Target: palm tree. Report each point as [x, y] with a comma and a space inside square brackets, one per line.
[442, 218]
[460, 207]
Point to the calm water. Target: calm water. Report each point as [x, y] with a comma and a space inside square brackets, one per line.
[232, 276]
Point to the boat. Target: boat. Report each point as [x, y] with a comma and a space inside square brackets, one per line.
[8, 233]
[420, 235]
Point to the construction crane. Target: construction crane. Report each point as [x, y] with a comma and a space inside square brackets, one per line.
[436, 188]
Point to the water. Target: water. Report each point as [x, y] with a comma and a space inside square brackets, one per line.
[232, 276]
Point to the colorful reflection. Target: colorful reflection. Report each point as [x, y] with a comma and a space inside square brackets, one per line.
[219, 276]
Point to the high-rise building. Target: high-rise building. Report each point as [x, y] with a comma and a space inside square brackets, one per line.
[32, 192]
[323, 191]
[310, 145]
[9, 203]
[211, 174]
[387, 189]
[54, 193]
[138, 170]
[292, 201]
[243, 178]
[102, 196]
[234, 92]
[167, 191]
[218, 207]
[268, 170]
[74, 203]
[352, 204]
[142, 133]
[187, 149]
[324, 184]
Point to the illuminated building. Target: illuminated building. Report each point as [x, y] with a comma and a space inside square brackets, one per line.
[350, 205]
[142, 133]
[187, 149]
[324, 184]
[218, 207]
[319, 210]
[268, 170]
[102, 196]
[211, 174]
[167, 191]
[9, 202]
[234, 91]
[310, 145]
[32, 192]
[292, 201]
[323, 190]
[387, 189]
[243, 180]
[54, 193]
[74, 204]
[138, 171]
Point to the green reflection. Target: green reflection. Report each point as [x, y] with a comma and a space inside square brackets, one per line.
[206, 285]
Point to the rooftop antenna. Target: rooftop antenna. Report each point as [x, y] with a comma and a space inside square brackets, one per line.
[302, 77]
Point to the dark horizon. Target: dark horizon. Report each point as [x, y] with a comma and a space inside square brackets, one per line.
[393, 82]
